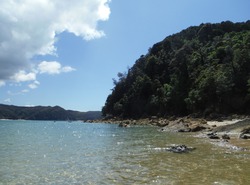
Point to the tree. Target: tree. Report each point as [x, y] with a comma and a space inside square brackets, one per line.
[202, 69]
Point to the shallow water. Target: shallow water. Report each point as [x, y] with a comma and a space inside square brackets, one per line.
[46, 152]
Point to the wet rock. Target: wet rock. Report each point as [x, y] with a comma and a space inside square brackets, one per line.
[213, 136]
[244, 136]
[179, 149]
[225, 136]
[184, 130]
[211, 133]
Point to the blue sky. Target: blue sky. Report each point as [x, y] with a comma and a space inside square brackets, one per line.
[67, 52]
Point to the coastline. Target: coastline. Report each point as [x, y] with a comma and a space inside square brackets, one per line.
[181, 124]
[230, 132]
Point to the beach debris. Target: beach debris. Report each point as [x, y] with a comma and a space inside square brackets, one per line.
[179, 149]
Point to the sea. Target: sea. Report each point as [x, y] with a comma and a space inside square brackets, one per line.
[75, 153]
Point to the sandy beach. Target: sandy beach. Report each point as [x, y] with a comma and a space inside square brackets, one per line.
[223, 123]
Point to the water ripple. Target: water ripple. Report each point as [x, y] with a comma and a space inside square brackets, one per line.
[79, 153]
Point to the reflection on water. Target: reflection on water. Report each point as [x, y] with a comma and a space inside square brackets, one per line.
[36, 152]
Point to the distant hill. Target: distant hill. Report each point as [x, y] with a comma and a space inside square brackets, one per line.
[202, 70]
[45, 113]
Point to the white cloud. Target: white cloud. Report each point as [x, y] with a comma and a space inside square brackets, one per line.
[34, 85]
[23, 76]
[67, 69]
[29, 28]
[53, 67]
[49, 67]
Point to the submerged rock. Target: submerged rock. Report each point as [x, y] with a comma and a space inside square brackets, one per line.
[213, 136]
[179, 149]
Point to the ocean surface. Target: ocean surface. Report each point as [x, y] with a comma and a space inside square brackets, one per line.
[47, 152]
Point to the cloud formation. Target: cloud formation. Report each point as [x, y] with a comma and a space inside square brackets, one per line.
[34, 85]
[53, 67]
[29, 28]
[22, 76]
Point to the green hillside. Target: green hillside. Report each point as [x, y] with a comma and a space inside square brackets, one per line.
[45, 113]
[201, 71]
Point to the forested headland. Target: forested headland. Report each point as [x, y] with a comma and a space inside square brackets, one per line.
[45, 113]
[200, 71]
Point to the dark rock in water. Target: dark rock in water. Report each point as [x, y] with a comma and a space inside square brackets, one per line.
[210, 134]
[213, 136]
[225, 136]
[246, 131]
[244, 136]
[179, 149]
[184, 130]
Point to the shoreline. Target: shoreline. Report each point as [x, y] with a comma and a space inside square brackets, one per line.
[229, 132]
[179, 124]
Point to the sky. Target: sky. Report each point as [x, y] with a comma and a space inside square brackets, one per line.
[66, 53]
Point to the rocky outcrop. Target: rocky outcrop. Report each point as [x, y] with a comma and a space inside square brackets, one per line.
[239, 126]
[187, 125]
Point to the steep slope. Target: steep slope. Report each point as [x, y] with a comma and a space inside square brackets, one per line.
[201, 70]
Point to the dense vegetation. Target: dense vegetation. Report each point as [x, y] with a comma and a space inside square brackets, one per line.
[201, 71]
[45, 113]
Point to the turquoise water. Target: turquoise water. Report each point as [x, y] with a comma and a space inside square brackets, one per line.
[46, 152]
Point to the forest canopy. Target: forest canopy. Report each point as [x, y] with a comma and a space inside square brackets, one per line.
[201, 70]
